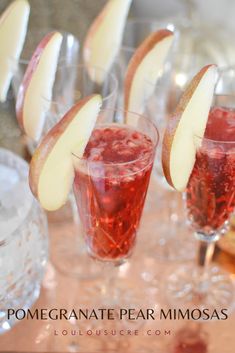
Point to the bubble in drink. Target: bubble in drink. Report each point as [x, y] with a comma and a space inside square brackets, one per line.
[211, 187]
[110, 203]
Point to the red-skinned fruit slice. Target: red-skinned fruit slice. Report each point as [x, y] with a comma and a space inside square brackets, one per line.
[36, 88]
[51, 169]
[189, 119]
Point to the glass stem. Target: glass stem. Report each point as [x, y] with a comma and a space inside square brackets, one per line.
[205, 253]
[191, 10]
[109, 289]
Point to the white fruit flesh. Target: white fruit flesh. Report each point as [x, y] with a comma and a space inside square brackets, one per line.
[13, 28]
[146, 75]
[192, 122]
[57, 174]
[39, 91]
[104, 37]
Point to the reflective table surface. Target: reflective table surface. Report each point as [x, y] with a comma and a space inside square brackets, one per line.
[137, 284]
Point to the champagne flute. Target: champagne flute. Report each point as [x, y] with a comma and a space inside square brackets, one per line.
[111, 183]
[110, 186]
[210, 201]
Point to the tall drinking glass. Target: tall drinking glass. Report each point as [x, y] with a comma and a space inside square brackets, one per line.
[111, 183]
[110, 186]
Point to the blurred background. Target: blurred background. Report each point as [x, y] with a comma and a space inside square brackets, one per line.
[76, 16]
[212, 20]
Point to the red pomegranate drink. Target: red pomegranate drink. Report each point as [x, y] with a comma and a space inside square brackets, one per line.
[211, 188]
[110, 188]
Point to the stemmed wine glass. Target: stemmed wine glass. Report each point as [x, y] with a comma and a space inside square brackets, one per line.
[110, 186]
[210, 201]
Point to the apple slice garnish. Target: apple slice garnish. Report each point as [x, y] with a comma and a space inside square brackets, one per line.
[13, 28]
[51, 169]
[36, 88]
[104, 37]
[189, 119]
[144, 68]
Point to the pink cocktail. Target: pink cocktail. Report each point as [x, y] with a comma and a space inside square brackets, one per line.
[210, 200]
[110, 187]
[211, 188]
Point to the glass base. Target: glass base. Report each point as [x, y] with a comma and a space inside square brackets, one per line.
[187, 286]
[191, 338]
[69, 254]
[163, 224]
[73, 261]
[171, 241]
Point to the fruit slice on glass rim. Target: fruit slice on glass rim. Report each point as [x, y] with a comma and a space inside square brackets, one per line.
[51, 169]
[36, 84]
[189, 119]
[104, 37]
[13, 28]
[144, 69]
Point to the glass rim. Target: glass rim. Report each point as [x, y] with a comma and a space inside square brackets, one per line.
[225, 68]
[209, 140]
[126, 48]
[155, 143]
[84, 66]
[168, 21]
[213, 141]
[47, 30]
[65, 34]
[131, 51]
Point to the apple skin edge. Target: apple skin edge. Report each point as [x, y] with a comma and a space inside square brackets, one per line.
[94, 26]
[21, 8]
[147, 45]
[48, 142]
[99, 19]
[27, 77]
[174, 120]
[104, 59]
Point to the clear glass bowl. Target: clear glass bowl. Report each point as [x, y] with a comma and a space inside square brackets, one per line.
[23, 239]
